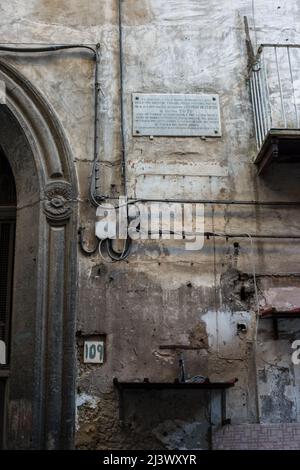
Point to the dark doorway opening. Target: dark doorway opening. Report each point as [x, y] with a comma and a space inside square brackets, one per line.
[7, 240]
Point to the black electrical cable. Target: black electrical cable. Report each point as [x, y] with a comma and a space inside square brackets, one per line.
[108, 243]
[115, 255]
[94, 197]
[94, 181]
[59, 47]
[245, 235]
[50, 48]
[226, 202]
[118, 256]
[93, 185]
[229, 235]
[210, 201]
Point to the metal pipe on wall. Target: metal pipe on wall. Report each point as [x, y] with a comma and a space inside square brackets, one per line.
[122, 114]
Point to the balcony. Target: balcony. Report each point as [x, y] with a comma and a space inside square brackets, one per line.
[275, 94]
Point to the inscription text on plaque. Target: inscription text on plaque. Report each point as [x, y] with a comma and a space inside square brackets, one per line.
[188, 115]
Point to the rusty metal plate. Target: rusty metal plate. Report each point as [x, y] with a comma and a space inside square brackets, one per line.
[187, 115]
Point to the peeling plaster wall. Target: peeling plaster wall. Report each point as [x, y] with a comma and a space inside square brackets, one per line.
[164, 294]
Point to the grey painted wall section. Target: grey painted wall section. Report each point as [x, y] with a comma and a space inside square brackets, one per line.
[164, 294]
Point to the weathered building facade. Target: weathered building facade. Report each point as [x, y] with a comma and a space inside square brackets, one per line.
[163, 304]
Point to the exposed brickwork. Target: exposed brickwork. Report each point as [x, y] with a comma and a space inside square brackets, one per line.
[285, 436]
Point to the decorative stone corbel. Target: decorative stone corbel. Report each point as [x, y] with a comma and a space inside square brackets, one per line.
[58, 202]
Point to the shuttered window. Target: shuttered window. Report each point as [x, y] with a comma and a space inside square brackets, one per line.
[7, 238]
[7, 234]
[7, 230]
[2, 405]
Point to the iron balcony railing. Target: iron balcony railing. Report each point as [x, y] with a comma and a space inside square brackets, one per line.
[275, 89]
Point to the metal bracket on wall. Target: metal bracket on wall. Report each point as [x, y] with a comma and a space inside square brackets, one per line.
[146, 385]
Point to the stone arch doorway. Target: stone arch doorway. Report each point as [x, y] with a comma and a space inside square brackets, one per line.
[40, 388]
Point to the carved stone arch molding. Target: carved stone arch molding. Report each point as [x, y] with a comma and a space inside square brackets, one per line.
[41, 386]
